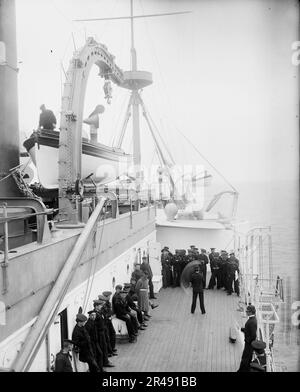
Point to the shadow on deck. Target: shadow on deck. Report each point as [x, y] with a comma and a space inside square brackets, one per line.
[178, 341]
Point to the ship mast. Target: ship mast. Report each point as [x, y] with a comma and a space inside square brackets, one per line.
[135, 80]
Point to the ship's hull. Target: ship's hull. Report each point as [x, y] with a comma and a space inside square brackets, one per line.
[102, 267]
[124, 240]
[104, 162]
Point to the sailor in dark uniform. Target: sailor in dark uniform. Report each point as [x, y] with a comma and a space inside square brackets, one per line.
[63, 359]
[214, 268]
[197, 283]
[101, 330]
[91, 327]
[204, 261]
[109, 330]
[47, 119]
[232, 279]
[250, 331]
[223, 260]
[146, 268]
[176, 264]
[166, 259]
[82, 340]
[259, 364]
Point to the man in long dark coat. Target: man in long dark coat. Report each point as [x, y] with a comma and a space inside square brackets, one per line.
[100, 325]
[92, 331]
[204, 260]
[250, 331]
[214, 267]
[82, 340]
[107, 312]
[166, 261]
[197, 285]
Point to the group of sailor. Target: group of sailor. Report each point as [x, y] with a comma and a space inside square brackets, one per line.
[94, 337]
[224, 267]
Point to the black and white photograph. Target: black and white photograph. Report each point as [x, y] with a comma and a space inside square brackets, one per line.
[149, 189]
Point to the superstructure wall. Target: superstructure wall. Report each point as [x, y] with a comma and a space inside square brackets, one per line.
[33, 268]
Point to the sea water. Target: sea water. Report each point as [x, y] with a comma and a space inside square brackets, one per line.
[276, 204]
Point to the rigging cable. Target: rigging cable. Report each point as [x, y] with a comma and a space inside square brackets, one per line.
[169, 100]
[93, 267]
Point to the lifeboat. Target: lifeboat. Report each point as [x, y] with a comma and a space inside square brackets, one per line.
[104, 162]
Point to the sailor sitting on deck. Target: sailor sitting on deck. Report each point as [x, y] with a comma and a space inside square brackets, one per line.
[120, 309]
[130, 301]
[93, 122]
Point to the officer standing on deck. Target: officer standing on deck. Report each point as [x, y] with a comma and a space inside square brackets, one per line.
[92, 331]
[232, 277]
[176, 268]
[223, 259]
[166, 258]
[100, 325]
[197, 283]
[214, 267]
[250, 331]
[204, 259]
[107, 313]
[82, 340]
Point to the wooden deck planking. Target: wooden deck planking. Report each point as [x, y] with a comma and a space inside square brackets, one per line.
[179, 341]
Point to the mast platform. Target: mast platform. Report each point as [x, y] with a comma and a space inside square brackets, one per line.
[178, 341]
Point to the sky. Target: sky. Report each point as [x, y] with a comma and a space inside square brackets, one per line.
[222, 75]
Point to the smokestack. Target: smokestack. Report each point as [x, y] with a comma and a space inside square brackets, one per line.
[9, 116]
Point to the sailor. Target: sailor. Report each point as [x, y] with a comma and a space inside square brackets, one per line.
[166, 258]
[93, 332]
[132, 312]
[233, 258]
[250, 331]
[176, 264]
[131, 303]
[101, 329]
[204, 259]
[63, 360]
[197, 284]
[47, 119]
[223, 261]
[259, 364]
[135, 276]
[82, 340]
[119, 307]
[145, 267]
[93, 121]
[232, 277]
[214, 268]
[106, 310]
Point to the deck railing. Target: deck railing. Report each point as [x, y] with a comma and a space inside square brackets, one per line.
[258, 287]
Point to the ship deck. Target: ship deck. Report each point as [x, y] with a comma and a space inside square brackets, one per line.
[178, 341]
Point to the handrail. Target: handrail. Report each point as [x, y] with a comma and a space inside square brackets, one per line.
[50, 308]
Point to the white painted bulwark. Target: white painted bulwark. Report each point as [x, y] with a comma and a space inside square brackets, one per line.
[118, 271]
